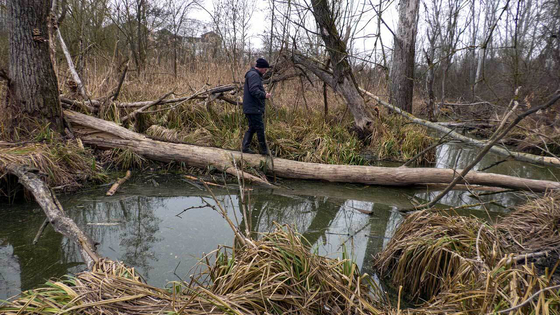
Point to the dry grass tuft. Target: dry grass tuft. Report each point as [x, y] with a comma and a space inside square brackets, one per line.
[534, 226]
[462, 265]
[275, 275]
[65, 164]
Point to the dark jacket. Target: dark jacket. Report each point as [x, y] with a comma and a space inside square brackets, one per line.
[253, 93]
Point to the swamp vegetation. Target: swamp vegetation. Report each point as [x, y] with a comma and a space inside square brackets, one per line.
[137, 89]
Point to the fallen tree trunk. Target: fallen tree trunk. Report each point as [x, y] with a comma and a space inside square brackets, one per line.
[118, 137]
[55, 214]
[525, 157]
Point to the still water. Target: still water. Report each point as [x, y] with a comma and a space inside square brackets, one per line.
[162, 225]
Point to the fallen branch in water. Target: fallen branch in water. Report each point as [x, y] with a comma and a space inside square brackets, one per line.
[55, 214]
[525, 157]
[40, 232]
[116, 185]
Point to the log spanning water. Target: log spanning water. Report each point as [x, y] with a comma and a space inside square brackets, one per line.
[105, 134]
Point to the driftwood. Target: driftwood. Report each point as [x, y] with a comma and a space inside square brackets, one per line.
[116, 185]
[55, 214]
[94, 131]
[525, 157]
[40, 231]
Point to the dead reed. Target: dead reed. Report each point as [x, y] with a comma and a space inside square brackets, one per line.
[277, 274]
[297, 126]
[464, 266]
[66, 165]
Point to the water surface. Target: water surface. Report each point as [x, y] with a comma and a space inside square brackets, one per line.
[162, 225]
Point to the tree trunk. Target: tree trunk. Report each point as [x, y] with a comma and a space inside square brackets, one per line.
[108, 135]
[33, 87]
[402, 69]
[362, 117]
[343, 78]
[432, 113]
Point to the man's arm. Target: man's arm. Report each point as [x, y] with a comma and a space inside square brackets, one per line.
[255, 86]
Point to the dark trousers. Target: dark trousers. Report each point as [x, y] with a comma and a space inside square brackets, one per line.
[256, 125]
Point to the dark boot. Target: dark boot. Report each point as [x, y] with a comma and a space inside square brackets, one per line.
[265, 150]
[246, 145]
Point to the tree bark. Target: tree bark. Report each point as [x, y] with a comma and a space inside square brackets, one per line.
[343, 81]
[33, 86]
[402, 69]
[362, 117]
[97, 132]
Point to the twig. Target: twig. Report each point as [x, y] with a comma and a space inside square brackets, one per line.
[41, 229]
[116, 185]
[427, 149]
[528, 300]
[508, 114]
[175, 273]
[522, 257]
[493, 164]
[139, 110]
[190, 208]
[468, 104]
[223, 212]
[242, 196]
[205, 182]
[477, 240]
[493, 192]
[121, 81]
[499, 135]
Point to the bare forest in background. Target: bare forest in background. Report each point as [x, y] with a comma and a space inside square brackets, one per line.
[464, 59]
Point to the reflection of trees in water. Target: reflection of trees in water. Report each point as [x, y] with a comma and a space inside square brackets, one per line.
[139, 237]
[136, 232]
[457, 156]
[10, 282]
[294, 210]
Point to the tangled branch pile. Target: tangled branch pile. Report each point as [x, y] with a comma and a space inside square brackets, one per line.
[462, 265]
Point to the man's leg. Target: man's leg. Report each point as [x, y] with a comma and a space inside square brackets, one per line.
[248, 137]
[259, 127]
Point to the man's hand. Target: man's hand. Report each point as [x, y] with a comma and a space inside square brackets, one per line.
[268, 95]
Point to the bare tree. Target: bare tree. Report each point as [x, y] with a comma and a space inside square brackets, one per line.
[178, 15]
[341, 79]
[433, 32]
[402, 68]
[231, 19]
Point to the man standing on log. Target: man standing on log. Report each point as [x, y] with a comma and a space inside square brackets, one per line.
[254, 97]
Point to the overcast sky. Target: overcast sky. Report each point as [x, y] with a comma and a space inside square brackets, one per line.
[261, 19]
